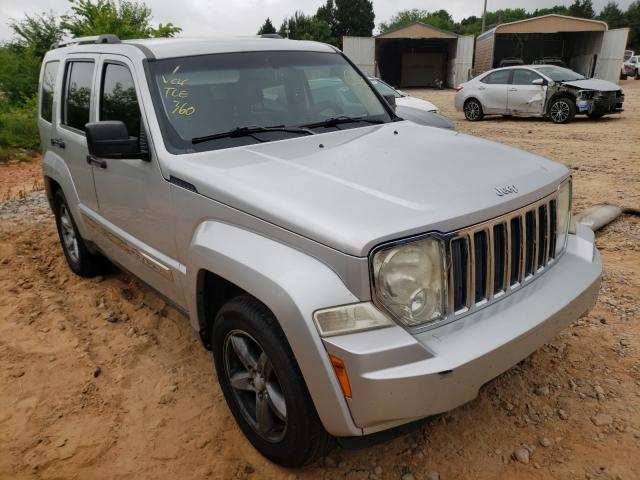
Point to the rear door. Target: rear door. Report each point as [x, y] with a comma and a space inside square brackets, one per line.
[77, 106]
[523, 96]
[494, 91]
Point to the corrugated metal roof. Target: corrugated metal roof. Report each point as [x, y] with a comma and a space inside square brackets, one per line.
[420, 24]
[501, 26]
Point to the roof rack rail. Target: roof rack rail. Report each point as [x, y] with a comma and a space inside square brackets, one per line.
[106, 38]
[270, 35]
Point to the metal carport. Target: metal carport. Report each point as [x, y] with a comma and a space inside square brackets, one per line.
[417, 55]
[587, 46]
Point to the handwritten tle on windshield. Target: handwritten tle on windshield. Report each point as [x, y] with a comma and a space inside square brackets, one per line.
[175, 89]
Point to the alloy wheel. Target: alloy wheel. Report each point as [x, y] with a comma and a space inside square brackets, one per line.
[472, 110]
[255, 385]
[69, 234]
[560, 111]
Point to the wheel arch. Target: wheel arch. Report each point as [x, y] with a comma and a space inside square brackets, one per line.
[226, 260]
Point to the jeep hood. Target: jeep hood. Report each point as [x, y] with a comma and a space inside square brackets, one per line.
[356, 188]
[594, 84]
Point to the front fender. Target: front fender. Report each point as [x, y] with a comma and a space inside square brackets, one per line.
[293, 285]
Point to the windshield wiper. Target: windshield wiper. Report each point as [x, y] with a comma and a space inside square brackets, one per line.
[250, 130]
[333, 121]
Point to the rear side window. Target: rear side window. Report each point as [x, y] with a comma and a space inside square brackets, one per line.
[524, 77]
[46, 95]
[77, 94]
[499, 77]
[118, 99]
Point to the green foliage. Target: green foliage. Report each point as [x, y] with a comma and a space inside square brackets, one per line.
[632, 17]
[37, 33]
[612, 14]
[126, 19]
[304, 27]
[267, 27]
[581, 8]
[440, 19]
[354, 17]
[19, 127]
[19, 73]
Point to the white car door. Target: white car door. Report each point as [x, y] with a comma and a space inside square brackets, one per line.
[493, 91]
[524, 96]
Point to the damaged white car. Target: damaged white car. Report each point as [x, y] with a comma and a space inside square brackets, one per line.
[537, 90]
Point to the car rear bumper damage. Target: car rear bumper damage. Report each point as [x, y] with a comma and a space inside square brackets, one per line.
[397, 377]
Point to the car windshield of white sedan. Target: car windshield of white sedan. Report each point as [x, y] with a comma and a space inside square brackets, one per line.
[384, 89]
[211, 102]
[559, 74]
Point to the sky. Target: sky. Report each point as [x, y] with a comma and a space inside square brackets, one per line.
[243, 17]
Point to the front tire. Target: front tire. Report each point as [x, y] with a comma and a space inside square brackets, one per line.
[80, 260]
[562, 110]
[263, 386]
[473, 110]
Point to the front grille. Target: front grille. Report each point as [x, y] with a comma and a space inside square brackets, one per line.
[494, 258]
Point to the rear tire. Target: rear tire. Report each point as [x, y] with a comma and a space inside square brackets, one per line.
[263, 386]
[79, 258]
[473, 110]
[562, 110]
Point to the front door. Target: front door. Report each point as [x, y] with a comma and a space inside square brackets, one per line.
[493, 90]
[134, 203]
[525, 97]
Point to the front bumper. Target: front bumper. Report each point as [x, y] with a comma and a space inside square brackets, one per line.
[397, 377]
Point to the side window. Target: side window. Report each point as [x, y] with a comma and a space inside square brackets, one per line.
[501, 77]
[524, 77]
[118, 100]
[77, 95]
[46, 95]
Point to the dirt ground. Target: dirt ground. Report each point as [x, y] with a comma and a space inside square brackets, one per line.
[101, 379]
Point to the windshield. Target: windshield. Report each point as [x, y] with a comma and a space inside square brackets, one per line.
[202, 96]
[560, 74]
[384, 89]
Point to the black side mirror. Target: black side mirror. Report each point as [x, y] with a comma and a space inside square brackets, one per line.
[110, 139]
[391, 100]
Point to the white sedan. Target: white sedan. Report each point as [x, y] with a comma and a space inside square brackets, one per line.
[414, 109]
[537, 90]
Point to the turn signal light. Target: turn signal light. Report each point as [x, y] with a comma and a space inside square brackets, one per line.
[341, 374]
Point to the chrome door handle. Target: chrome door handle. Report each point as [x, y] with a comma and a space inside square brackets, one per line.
[513, 89]
[91, 160]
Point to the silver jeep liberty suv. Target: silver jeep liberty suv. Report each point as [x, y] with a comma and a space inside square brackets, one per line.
[349, 270]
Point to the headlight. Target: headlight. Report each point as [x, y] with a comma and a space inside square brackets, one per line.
[350, 319]
[563, 216]
[409, 281]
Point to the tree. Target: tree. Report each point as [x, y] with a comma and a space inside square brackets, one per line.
[37, 33]
[327, 12]
[267, 27]
[581, 8]
[126, 19]
[354, 17]
[632, 16]
[612, 14]
[440, 19]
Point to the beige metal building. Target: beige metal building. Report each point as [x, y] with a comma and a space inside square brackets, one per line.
[586, 46]
[417, 55]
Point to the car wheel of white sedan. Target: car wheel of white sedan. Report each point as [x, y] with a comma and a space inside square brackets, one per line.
[473, 110]
[562, 110]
